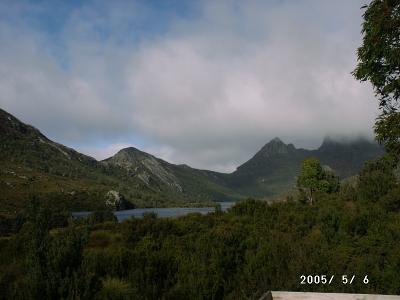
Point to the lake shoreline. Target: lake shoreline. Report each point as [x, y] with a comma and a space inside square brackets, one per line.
[161, 212]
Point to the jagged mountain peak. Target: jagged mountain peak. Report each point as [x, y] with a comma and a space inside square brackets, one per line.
[146, 167]
[271, 170]
[276, 140]
[275, 146]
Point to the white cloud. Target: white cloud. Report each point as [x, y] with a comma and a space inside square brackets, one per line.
[207, 92]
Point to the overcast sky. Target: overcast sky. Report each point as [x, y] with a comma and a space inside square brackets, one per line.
[206, 83]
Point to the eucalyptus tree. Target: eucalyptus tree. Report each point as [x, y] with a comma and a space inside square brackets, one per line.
[379, 63]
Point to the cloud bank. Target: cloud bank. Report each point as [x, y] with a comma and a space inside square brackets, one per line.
[206, 85]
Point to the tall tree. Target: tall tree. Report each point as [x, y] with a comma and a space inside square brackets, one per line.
[314, 178]
[379, 63]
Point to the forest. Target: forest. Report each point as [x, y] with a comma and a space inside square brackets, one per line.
[253, 248]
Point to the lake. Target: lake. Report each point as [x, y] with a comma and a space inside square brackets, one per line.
[161, 212]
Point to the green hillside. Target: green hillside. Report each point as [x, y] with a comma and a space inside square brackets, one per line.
[33, 165]
[274, 168]
[271, 171]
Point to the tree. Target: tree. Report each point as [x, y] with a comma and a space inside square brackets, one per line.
[54, 262]
[376, 179]
[379, 56]
[379, 63]
[387, 131]
[314, 178]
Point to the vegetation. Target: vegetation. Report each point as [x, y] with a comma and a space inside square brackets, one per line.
[379, 63]
[240, 254]
[387, 130]
[378, 56]
[273, 170]
[34, 165]
[313, 178]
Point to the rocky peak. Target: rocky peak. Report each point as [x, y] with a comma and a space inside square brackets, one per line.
[275, 146]
[276, 140]
[130, 151]
[130, 154]
[144, 166]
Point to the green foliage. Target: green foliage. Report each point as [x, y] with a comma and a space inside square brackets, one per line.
[101, 216]
[387, 131]
[34, 165]
[150, 215]
[379, 63]
[378, 57]
[218, 208]
[311, 174]
[376, 179]
[313, 178]
[240, 254]
[54, 260]
[254, 247]
[51, 263]
[391, 201]
[115, 289]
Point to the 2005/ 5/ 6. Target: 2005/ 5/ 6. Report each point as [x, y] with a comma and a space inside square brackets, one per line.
[328, 279]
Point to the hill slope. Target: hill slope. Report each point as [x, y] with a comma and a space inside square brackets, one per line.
[274, 168]
[270, 171]
[31, 164]
[163, 176]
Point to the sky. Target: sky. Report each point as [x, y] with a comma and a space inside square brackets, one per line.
[205, 83]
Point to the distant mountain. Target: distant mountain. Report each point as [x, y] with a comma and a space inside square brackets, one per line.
[273, 169]
[166, 177]
[150, 170]
[347, 157]
[31, 164]
[270, 171]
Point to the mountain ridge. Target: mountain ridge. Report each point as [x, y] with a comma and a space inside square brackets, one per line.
[33, 165]
[147, 180]
[273, 169]
[276, 165]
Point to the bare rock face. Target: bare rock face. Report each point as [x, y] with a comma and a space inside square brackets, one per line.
[114, 200]
[274, 147]
[150, 170]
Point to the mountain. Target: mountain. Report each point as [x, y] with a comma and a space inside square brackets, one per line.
[22, 143]
[273, 169]
[166, 177]
[347, 157]
[270, 171]
[33, 165]
[150, 170]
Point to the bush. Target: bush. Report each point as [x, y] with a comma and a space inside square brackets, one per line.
[376, 179]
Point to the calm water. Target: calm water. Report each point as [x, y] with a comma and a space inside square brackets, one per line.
[161, 212]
